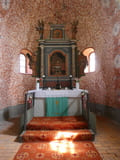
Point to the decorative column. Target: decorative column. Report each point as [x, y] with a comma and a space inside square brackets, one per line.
[42, 59]
[73, 60]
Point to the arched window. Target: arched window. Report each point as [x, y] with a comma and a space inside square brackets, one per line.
[90, 53]
[25, 62]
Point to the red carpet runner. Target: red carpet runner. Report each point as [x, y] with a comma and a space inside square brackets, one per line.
[57, 138]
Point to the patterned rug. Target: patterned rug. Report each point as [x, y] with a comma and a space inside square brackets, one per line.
[45, 135]
[57, 138]
[58, 150]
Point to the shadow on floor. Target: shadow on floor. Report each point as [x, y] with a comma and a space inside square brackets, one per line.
[10, 127]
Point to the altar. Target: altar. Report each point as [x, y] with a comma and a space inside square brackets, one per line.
[57, 102]
[57, 69]
[58, 65]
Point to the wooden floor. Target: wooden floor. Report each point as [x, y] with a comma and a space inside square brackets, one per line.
[107, 139]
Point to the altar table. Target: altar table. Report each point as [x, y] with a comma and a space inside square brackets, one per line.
[74, 100]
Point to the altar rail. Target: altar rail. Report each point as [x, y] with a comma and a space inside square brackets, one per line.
[83, 97]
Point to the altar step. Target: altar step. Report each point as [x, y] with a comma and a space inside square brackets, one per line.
[73, 128]
[48, 138]
[57, 123]
[52, 135]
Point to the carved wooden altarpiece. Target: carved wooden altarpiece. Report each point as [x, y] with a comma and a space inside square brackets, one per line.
[57, 57]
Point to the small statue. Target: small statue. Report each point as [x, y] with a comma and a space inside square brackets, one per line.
[81, 64]
[30, 60]
[74, 28]
[40, 28]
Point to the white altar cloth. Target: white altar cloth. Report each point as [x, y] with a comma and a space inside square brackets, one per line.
[57, 93]
[74, 100]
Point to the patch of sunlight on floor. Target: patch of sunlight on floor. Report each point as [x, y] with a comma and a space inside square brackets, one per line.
[62, 146]
[66, 135]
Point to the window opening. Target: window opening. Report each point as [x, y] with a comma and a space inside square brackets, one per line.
[22, 63]
[25, 62]
[92, 62]
[90, 53]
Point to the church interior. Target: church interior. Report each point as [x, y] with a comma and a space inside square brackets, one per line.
[64, 52]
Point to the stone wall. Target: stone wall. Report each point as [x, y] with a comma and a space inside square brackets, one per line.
[98, 28]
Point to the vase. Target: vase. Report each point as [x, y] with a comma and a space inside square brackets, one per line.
[37, 86]
[77, 85]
